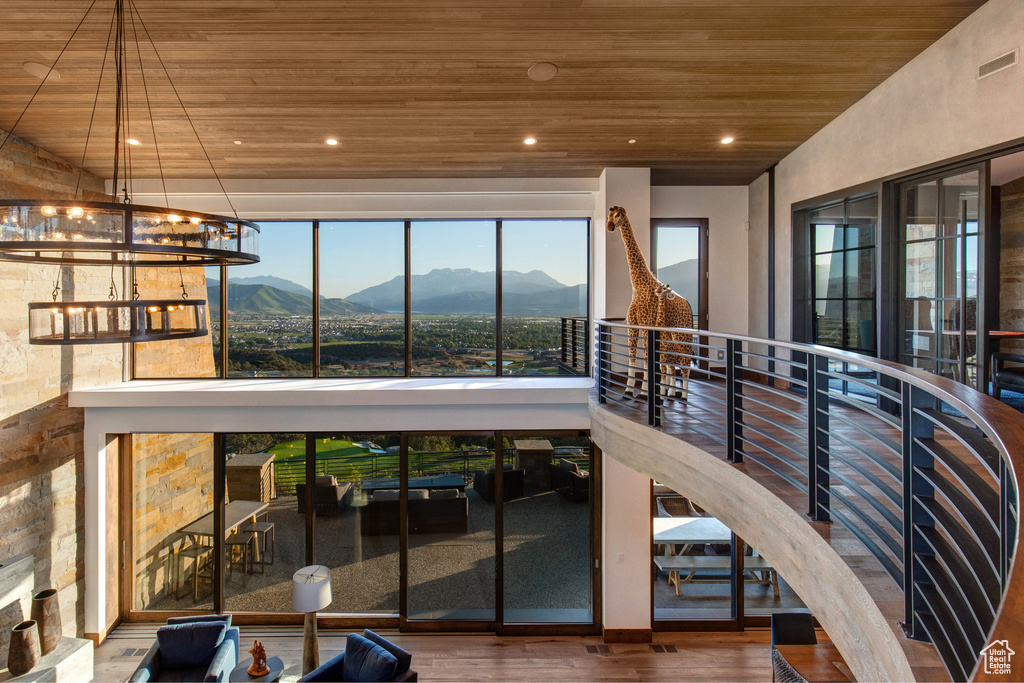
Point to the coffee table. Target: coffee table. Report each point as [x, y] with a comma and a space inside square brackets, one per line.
[241, 673]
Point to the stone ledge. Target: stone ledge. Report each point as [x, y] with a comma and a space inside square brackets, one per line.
[71, 662]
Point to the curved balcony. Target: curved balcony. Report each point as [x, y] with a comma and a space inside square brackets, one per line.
[815, 456]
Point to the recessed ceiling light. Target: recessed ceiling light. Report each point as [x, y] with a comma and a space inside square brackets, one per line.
[542, 71]
[238, 142]
[530, 141]
[133, 142]
[40, 70]
[632, 142]
[726, 141]
[331, 141]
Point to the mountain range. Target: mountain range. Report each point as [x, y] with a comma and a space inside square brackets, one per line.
[441, 291]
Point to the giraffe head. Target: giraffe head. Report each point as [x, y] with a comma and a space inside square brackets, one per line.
[663, 291]
[616, 218]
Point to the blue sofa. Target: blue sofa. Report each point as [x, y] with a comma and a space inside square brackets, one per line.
[203, 648]
[367, 657]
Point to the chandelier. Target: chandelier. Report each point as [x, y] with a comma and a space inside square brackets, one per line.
[74, 232]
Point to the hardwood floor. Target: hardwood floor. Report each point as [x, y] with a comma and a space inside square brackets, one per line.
[697, 657]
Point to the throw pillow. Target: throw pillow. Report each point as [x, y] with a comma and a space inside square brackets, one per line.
[404, 658]
[226, 618]
[443, 493]
[191, 645]
[385, 494]
[418, 494]
[367, 661]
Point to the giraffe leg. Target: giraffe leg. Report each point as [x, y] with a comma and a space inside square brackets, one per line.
[631, 376]
[644, 351]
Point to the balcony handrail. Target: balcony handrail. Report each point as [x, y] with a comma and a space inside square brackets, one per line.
[908, 401]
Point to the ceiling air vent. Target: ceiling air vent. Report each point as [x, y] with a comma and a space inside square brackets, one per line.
[998, 64]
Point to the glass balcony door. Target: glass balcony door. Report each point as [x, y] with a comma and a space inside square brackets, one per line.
[942, 225]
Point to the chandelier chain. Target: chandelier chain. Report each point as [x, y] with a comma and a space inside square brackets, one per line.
[184, 110]
[95, 103]
[149, 107]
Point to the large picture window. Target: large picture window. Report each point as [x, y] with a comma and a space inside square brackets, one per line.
[405, 298]
[222, 521]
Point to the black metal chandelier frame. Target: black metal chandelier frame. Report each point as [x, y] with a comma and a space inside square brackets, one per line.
[78, 232]
[106, 322]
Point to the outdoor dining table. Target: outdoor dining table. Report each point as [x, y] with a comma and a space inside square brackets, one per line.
[236, 513]
[690, 531]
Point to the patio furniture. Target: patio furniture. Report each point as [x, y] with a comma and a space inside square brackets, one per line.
[201, 555]
[512, 483]
[203, 648]
[330, 497]
[260, 530]
[430, 512]
[676, 506]
[671, 531]
[240, 544]
[442, 481]
[367, 657]
[567, 479]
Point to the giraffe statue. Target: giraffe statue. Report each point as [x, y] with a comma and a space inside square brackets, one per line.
[643, 307]
[676, 347]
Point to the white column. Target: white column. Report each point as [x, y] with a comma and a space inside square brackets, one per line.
[626, 547]
[95, 452]
[629, 188]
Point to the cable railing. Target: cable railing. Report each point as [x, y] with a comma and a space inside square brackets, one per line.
[575, 351]
[915, 466]
[291, 471]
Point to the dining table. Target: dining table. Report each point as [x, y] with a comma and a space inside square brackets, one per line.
[236, 513]
[690, 531]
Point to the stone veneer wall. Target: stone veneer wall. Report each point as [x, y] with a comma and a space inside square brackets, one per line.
[41, 456]
[173, 485]
[1011, 262]
[41, 464]
[172, 473]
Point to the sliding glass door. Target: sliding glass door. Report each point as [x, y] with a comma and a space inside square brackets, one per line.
[420, 531]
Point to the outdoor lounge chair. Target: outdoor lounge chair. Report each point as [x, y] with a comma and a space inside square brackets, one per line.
[512, 483]
[567, 479]
[331, 497]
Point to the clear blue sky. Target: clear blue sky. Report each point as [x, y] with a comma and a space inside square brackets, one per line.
[357, 255]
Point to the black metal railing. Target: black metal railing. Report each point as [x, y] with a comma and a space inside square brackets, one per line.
[901, 458]
[575, 356]
[291, 471]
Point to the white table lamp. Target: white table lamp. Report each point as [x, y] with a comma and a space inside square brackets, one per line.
[311, 591]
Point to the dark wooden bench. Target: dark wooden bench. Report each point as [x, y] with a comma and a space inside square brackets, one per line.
[755, 567]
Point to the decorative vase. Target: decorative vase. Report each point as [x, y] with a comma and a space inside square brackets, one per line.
[46, 613]
[24, 652]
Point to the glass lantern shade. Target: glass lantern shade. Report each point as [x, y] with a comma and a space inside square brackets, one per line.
[115, 322]
[103, 234]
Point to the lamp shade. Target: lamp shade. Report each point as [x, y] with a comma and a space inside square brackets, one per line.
[311, 588]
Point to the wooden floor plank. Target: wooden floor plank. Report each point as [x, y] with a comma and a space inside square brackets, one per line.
[445, 657]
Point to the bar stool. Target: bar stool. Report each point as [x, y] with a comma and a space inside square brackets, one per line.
[261, 529]
[202, 560]
[240, 541]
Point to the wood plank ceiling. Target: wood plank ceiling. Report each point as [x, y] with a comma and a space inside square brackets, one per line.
[439, 88]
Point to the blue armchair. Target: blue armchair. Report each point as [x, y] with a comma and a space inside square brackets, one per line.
[367, 657]
[201, 648]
